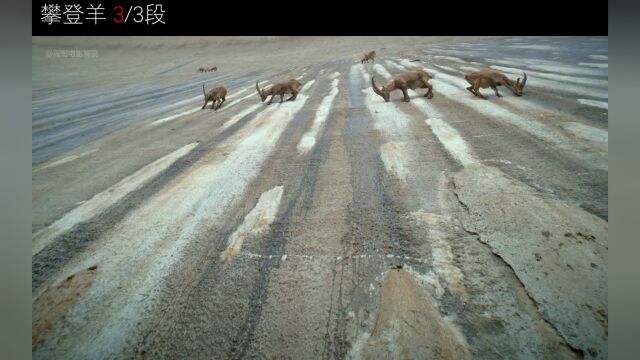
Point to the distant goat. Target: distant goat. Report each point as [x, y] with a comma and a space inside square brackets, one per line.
[215, 68]
[493, 79]
[408, 80]
[291, 86]
[217, 95]
[368, 56]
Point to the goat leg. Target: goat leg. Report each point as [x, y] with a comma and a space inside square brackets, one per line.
[404, 92]
[476, 89]
[221, 102]
[470, 88]
[429, 94]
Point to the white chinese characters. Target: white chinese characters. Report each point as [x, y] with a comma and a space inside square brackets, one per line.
[77, 14]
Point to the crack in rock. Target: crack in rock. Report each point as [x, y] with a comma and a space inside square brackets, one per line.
[523, 207]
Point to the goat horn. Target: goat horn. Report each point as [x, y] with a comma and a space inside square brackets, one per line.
[524, 81]
[375, 88]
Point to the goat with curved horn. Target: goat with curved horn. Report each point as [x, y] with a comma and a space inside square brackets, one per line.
[216, 95]
[291, 86]
[408, 80]
[492, 79]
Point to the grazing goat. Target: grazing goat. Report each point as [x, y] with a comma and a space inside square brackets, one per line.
[215, 68]
[216, 95]
[368, 56]
[493, 79]
[291, 86]
[408, 80]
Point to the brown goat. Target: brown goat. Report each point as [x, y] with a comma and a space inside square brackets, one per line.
[216, 95]
[408, 80]
[215, 68]
[368, 56]
[291, 86]
[493, 79]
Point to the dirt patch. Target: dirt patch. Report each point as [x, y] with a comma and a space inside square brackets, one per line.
[55, 301]
[409, 326]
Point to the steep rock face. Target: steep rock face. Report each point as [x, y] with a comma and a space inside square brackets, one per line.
[558, 251]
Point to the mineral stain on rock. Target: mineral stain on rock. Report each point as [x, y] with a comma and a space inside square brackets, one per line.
[409, 325]
[51, 306]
